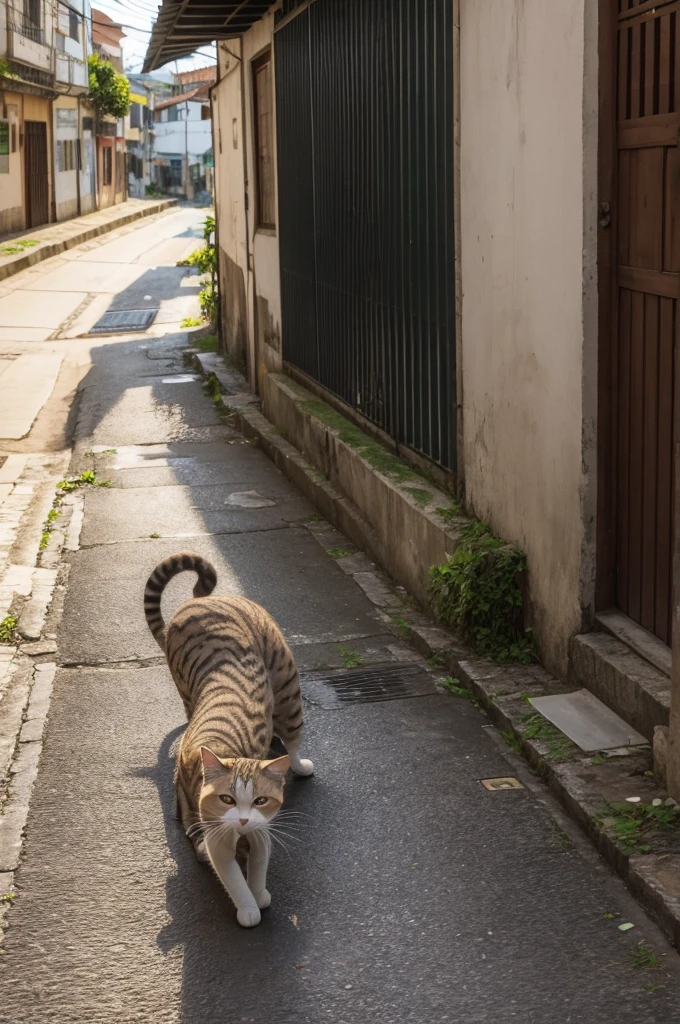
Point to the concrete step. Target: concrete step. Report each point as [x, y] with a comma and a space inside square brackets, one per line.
[631, 686]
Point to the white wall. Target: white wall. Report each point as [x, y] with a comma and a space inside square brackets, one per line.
[66, 128]
[528, 92]
[172, 136]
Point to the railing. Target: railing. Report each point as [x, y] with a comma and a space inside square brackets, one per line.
[29, 30]
[71, 70]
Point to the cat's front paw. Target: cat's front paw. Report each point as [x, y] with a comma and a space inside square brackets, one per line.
[303, 766]
[248, 917]
[262, 898]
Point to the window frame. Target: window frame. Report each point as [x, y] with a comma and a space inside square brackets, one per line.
[258, 63]
[107, 178]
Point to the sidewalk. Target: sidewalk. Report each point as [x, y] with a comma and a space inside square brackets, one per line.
[51, 239]
[415, 894]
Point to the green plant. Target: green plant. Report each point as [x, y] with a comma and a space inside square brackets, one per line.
[87, 477]
[419, 495]
[643, 956]
[477, 592]
[454, 686]
[454, 511]
[8, 629]
[402, 627]
[155, 535]
[560, 747]
[152, 190]
[437, 660]
[191, 321]
[350, 659]
[338, 552]
[7, 897]
[52, 517]
[109, 90]
[17, 246]
[208, 344]
[633, 825]
[209, 302]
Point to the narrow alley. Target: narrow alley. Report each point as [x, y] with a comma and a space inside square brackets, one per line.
[411, 892]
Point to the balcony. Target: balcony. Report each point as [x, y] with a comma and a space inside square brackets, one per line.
[71, 71]
[27, 43]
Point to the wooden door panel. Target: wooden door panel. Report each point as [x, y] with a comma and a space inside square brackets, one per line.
[647, 284]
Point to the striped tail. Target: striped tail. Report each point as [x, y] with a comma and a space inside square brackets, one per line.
[162, 574]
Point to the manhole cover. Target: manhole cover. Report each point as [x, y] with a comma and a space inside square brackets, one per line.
[340, 687]
[123, 321]
[507, 782]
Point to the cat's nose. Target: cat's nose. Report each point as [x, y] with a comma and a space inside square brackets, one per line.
[244, 821]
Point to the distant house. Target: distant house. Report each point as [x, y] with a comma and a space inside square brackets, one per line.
[182, 138]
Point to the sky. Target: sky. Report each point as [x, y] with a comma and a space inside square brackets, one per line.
[138, 16]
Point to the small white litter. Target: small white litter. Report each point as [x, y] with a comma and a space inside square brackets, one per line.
[626, 927]
[633, 799]
[588, 723]
[248, 499]
[181, 378]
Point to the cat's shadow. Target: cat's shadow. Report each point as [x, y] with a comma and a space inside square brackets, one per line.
[222, 963]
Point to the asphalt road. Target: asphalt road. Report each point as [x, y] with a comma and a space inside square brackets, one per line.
[413, 894]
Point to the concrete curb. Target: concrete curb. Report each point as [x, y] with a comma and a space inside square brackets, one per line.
[50, 249]
[586, 785]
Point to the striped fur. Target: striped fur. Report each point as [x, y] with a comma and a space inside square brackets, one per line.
[239, 683]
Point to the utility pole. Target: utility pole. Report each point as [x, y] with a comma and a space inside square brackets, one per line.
[186, 149]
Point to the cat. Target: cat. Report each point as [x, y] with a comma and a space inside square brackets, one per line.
[240, 687]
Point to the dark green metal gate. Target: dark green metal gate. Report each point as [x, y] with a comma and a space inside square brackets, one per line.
[364, 104]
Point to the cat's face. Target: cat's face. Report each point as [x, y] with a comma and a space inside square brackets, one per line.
[241, 794]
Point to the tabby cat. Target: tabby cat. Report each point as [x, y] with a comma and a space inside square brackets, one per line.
[240, 686]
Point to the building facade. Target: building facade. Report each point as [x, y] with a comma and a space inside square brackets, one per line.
[459, 220]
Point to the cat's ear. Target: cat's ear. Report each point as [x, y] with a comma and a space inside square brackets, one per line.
[279, 766]
[212, 766]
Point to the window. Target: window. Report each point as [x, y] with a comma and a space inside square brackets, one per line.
[173, 112]
[32, 14]
[74, 25]
[136, 115]
[66, 155]
[264, 141]
[106, 165]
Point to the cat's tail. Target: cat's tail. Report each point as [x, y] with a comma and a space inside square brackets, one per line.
[162, 574]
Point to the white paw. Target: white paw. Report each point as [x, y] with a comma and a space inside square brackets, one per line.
[303, 767]
[248, 917]
[262, 898]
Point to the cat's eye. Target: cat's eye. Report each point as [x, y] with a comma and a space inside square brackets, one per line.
[260, 801]
[226, 799]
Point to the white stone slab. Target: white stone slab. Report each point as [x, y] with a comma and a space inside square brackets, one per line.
[588, 723]
[24, 389]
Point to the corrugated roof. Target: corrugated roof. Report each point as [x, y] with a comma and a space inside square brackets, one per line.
[184, 25]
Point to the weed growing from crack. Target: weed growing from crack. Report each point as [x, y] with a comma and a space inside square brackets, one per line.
[402, 627]
[91, 454]
[314, 518]
[350, 659]
[52, 517]
[154, 535]
[8, 629]
[454, 511]
[208, 344]
[633, 825]
[477, 592]
[338, 552]
[643, 956]
[560, 747]
[454, 686]
[87, 478]
[191, 321]
[562, 838]
[438, 659]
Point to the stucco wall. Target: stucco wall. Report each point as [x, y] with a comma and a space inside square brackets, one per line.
[528, 93]
[12, 214]
[264, 244]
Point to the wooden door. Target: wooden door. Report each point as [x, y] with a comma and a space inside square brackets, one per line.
[35, 170]
[644, 307]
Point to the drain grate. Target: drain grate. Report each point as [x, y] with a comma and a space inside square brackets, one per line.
[124, 321]
[339, 688]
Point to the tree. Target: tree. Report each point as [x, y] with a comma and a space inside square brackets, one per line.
[109, 90]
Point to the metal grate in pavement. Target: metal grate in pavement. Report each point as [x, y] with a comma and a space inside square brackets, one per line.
[122, 321]
[339, 688]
